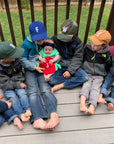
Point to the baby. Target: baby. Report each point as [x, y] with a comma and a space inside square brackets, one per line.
[49, 57]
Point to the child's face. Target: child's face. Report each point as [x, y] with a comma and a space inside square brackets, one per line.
[97, 48]
[40, 42]
[8, 60]
[48, 49]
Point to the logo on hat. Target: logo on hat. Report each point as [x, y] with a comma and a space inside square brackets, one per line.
[36, 28]
[65, 29]
[99, 33]
[12, 45]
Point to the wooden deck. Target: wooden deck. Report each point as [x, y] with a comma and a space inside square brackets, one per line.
[74, 127]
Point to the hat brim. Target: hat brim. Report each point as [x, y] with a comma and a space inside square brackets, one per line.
[64, 37]
[18, 53]
[40, 36]
[95, 40]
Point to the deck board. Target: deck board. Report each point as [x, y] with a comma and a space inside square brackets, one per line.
[98, 128]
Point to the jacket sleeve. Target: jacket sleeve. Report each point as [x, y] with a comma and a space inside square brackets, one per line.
[76, 61]
[9, 83]
[3, 106]
[24, 60]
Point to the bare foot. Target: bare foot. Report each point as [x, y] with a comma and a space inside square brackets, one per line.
[83, 107]
[28, 113]
[18, 123]
[53, 122]
[100, 99]
[57, 87]
[8, 103]
[40, 124]
[90, 110]
[110, 107]
[24, 118]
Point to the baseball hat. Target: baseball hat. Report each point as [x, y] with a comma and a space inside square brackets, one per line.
[101, 37]
[111, 48]
[68, 29]
[37, 31]
[9, 50]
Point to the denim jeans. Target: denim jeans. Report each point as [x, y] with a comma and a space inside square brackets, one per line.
[8, 115]
[19, 100]
[79, 77]
[39, 93]
[106, 86]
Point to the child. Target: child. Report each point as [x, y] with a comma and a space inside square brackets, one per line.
[97, 59]
[7, 113]
[108, 83]
[48, 56]
[11, 79]
[43, 102]
[70, 48]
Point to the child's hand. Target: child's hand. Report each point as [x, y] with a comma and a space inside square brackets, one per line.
[51, 61]
[22, 85]
[8, 103]
[39, 69]
[66, 74]
[43, 60]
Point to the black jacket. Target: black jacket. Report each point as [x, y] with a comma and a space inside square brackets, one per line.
[71, 53]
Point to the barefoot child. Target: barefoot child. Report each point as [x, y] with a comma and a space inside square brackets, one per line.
[11, 79]
[96, 59]
[7, 113]
[49, 57]
[107, 84]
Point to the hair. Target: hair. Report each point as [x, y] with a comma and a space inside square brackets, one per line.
[49, 42]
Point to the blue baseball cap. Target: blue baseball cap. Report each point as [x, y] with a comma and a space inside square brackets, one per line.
[37, 31]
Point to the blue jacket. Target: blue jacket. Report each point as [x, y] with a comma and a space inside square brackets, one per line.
[30, 52]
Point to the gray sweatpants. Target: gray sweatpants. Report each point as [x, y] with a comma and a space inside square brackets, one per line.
[91, 89]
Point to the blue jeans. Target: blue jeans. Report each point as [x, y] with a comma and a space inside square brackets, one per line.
[79, 77]
[19, 100]
[105, 87]
[8, 115]
[39, 90]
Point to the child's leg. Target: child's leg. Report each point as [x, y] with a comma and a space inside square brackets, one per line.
[83, 107]
[84, 94]
[11, 95]
[94, 93]
[2, 119]
[23, 97]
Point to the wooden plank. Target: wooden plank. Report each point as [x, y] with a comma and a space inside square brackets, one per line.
[97, 136]
[66, 124]
[67, 98]
[74, 110]
[63, 91]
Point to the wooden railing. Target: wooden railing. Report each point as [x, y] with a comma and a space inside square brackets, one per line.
[110, 23]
